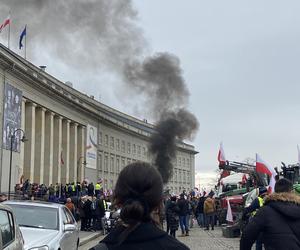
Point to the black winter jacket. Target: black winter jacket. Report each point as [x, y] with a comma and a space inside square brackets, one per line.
[172, 215]
[147, 236]
[183, 205]
[278, 221]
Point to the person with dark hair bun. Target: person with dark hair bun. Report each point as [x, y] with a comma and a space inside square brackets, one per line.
[138, 192]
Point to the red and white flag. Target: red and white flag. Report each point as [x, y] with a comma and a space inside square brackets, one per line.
[221, 155]
[244, 179]
[229, 216]
[264, 168]
[5, 23]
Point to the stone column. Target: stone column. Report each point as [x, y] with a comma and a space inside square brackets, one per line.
[81, 152]
[57, 147]
[65, 169]
[39, 145]
[22, 148]
[29, 147]
[48, 153]
[73, 152]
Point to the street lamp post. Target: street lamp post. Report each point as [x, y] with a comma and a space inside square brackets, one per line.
[78, 164]
[12, 139]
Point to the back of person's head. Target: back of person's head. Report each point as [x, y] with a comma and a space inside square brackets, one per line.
[138, 192]
[283, 185]
[173, 198]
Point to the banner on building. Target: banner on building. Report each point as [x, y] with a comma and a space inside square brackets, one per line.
[12, 116]
[91, 147]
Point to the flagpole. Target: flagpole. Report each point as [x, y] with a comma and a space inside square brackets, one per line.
[25, 41]
[8, 39]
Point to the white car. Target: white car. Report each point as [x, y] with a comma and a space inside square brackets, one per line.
[10, 236]
[46, 226]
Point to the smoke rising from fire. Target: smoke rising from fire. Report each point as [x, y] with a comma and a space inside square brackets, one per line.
[103, 35]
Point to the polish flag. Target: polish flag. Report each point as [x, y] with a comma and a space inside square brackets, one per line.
[5, 23]
[264, 168]
[244, 179]
[229, 216]
[221, 155]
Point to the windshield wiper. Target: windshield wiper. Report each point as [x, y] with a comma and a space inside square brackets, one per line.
[21, 225]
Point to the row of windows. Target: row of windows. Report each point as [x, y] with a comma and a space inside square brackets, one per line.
[183, 162]
[115, 143]
[113, 164]
[178, 190]
[181, 176]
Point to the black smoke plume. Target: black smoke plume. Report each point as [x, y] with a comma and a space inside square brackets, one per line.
[172, 127]
[102, 35]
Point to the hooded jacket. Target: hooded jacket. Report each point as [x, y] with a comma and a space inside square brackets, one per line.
[278, 221]
[146, 236]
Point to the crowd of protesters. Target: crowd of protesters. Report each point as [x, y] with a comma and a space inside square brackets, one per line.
[86, 201]
[187, 209]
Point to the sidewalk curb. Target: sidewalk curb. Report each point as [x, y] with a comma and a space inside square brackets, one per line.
[87, 239]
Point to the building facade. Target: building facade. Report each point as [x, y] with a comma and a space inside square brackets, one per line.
[69, 135]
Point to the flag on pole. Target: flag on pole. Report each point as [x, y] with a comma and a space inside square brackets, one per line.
[229, 216]
[23, 34]
[298, 154]
[264, 168]
[221, 155]
[5, 23]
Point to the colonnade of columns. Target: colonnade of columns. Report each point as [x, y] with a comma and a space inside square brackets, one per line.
[55, 148]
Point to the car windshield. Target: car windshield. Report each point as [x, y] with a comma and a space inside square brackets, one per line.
[36, 216]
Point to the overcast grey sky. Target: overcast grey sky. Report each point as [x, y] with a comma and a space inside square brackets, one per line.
[241, 64]
[240, 61]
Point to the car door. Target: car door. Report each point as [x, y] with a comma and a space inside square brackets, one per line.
[69, 240]
[8, 231]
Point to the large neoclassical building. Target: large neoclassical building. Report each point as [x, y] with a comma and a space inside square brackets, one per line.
[69, 136]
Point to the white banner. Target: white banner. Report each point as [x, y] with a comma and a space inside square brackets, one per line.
[91, 147]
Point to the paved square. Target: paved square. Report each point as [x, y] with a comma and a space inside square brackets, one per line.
[213, 240]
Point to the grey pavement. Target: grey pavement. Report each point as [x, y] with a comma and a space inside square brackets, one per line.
[212, 240]
[85, 237]
[198, 240]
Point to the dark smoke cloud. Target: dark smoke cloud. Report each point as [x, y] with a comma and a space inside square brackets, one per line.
[86, 34]
[172, 126]
[103, 35]
[159, 77]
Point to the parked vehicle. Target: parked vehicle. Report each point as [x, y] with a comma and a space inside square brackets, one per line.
[10, 236]
[46, 226]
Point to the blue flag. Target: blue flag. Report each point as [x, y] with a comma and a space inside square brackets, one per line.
[21, 37]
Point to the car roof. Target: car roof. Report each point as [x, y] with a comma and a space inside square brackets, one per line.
[34, 203]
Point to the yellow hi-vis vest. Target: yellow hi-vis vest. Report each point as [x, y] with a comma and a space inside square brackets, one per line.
[261, 203]
[97, 186]
[73, 188]
[104, 205]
